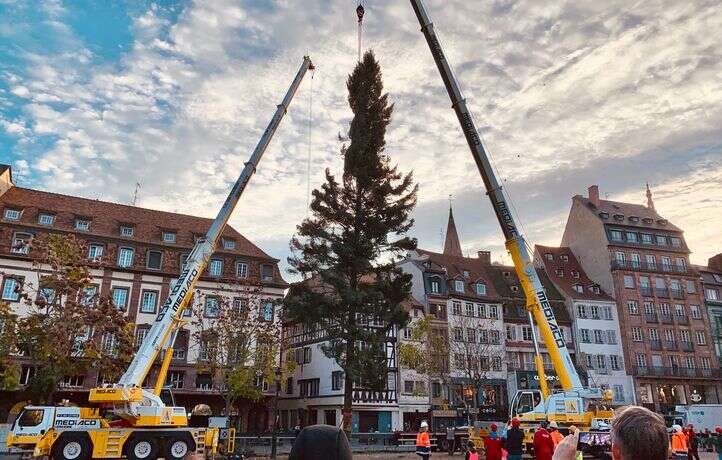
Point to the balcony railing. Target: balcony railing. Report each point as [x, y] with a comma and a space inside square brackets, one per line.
[677, 294]
[662, 292]
[656, 371]
[666, 319]
[656, 345]
[651, 318]
[687, 346]
[670, 345]
[645, 291]
[683, 320]
[371, 396]
[647, 266]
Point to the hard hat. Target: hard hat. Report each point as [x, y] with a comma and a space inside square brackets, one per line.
[515, 422]
[493, 427]
[718, 429]
[424, 424]
[553, 424]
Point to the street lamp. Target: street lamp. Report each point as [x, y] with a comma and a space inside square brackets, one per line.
[274, 435]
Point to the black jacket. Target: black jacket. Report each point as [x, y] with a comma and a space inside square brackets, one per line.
[514, 443]
[321, 442]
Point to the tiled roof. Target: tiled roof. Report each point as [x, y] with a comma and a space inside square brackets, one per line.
[106, 219]
[455, 267]
[565, 283]
[626, 210]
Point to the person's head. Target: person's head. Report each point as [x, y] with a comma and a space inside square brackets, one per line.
[690, 428]
[544, 424]
[718, 429]
[572, 429]
[553, 426]
[639, 434]
[515, 422]
[493, 427]
[471, 446]
[676, 428]
[424, 426]
[321, 441]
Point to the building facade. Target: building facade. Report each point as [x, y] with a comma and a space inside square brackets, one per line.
[595, 323]
[642, 260]
[712, 287]
[136, 254]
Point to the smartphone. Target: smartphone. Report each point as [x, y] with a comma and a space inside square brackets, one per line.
[594, 439]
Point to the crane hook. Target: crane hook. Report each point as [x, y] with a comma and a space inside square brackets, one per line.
[360, 12]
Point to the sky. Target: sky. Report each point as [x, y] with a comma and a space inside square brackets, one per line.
[98, 96]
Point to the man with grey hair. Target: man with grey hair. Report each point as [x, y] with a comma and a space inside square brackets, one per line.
[637, 434]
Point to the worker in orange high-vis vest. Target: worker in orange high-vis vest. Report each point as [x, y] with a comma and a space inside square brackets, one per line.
[423, 443]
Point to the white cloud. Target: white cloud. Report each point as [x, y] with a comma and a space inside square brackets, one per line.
[575, 89]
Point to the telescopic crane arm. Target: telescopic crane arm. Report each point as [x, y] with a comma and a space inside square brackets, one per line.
[536, 299]
[162, 332]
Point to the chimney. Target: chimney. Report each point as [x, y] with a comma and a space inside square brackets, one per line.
[715, 263]
[6, 179]
[594, 195]
[485, 257]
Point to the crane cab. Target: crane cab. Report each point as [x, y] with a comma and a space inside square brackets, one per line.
[528, 405]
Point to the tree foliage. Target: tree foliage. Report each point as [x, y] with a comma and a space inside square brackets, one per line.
[69, 327]
[9, 370]
[345, 251]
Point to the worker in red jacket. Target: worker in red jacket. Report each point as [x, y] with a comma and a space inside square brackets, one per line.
[493, 444]
[543, 443]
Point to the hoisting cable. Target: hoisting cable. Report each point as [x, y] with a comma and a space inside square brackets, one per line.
[360, 14]
[308, 161]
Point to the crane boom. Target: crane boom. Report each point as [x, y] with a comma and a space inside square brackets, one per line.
[169, 317]
[537, 301]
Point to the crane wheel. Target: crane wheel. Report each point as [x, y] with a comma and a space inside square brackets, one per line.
[142, 448]
[72, 447]
[176, 449]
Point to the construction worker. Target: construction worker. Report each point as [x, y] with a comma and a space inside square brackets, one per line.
[679, 443]
[471, 453]
[493, 444]
[692, 443]
[715, 441]
[423, 443]
[514, 443]
[554, 433]
[543, 444]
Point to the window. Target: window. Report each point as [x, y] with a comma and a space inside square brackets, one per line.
[684, 335]
[494, 337]
[456, 308]
[434, 285]
[549, 256]
[496, 363]
[616, 235]
[309, 387]
[611, 337]
[21, 243]
[175, 379]
[11, 289]
[125, 257]
[601, 362]
[676, 242]
[204, 382]
[482, 311]
[680, 263]
[46, 219]
[120, 297]
[653, 334]
[636, 261]
[631, 237]
[589, 361]
[711, 294]
[705, 363]
[408, 333]
[620, 257]
[526, 334]
[581, 311]
[584, 334]
[575, 274]
[82, 224]
[651, 261]
[242, 269]
[336, 380]
[89, 294]
[458, 334]
[559, 272]
[480, 289]
[641, 360]
[608, 315]
[169, 237]
[701, 339]
[211, 308]
[140, 334]
[598, 336]
[267, 311]
[649, 308]
[594, 310]
[564, 257]
[629, 281]
[690, 362]
[690, 287]
[229, 244]
[95, 252]
[148, 301]
[633, 307]
[471, 335]
[267, 272]
[72, 381]
[12, 214]
[215, 267]
[661, 240]
[669, 335]
[664, 309]
[289, 386]
[307, 355]
[470, 310]
[647, 238]
[694, 309]
[109, 343]
[679, 310]
[154, 260]
[578, 288]
[637, 335]
[126, 231]
[510, 332]
[614, 362]
[493, 312]
[459, 285]
[666, 263]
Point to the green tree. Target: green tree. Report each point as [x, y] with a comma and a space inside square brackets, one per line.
[427, 352]
[69, 326]
[346, 249]
[9, 372]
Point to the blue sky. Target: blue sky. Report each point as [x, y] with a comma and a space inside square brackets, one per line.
[96, 96]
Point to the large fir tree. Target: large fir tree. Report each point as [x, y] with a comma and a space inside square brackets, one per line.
[346, 250]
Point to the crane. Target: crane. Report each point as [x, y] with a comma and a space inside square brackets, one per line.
[153, 429]
[576, 403]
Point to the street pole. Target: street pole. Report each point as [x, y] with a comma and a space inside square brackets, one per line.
[274, 435]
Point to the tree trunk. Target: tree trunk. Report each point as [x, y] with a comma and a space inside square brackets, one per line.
[347, 392]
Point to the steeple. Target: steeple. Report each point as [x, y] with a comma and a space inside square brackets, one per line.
[452, 247]
[650, 203]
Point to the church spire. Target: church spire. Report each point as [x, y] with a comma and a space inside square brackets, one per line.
[650, 203]
[452, 247]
